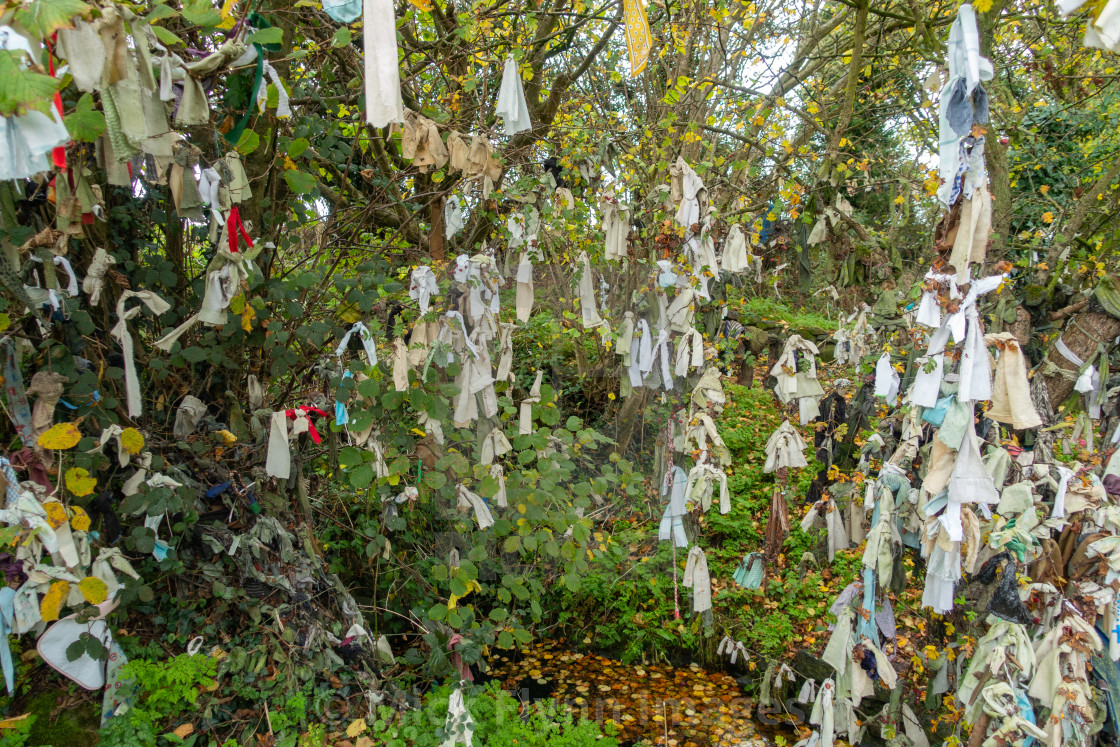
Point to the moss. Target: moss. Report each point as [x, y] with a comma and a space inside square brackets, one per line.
[72, 727]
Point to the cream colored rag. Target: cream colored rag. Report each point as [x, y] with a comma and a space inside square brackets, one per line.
[1011, 393]
[587, 305]
[382, 74]
[525, 426]
[120, 332]
[468, 500]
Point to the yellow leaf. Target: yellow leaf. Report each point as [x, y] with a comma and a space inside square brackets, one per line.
[356, 728]
[61, 436]
[93, 589]
[79, 519]
[982, 6]
[132, 440]
[56, 514]
[79, 482]
[228, 438]
[184, 731]
[52, 600]
[247, 318]
[1047, 217]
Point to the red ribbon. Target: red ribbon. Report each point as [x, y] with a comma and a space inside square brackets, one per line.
[58, 155]
[237, 228]
[306, 412]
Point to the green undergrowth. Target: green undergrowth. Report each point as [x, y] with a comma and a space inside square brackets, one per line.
[74, 726]
[497, 723]
[774, 310]
[626, 604]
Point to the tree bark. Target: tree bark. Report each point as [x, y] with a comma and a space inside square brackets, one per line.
[435, 238]
[628, 417]
[1080, 336]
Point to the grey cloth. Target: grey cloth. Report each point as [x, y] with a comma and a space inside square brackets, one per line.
[187, 417]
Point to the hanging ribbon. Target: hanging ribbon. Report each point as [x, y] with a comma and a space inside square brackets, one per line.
[305, 412]
[234, 136]
[120, 332]
[638, 38]
[366, 338]
[58, 154]
[18, 406]
[237, 228]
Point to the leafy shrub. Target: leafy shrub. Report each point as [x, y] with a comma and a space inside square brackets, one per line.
[497, 723]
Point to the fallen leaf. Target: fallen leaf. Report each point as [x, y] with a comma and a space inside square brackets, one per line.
[61, 436]
[356, 728]
[132, 440]
[95, 591]
[79, 482]
[185, 730]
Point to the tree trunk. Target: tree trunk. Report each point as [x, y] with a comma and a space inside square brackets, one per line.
[1081, 336]
[435, 238]
[627, 418]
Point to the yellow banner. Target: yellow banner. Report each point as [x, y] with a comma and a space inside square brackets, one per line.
[638, 40]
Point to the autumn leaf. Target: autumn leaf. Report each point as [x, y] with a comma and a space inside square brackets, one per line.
[79, 519]
[61, 436]
[79, 482]
[1047, 217]
[56, 514]
[48, 16]
[356, 727]
[982, 6]
[132, 440]
[24, 90]
[52, 600]
[93, 589]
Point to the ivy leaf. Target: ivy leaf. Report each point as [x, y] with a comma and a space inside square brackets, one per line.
[48, 16]
[85, 123]
[270, 35]
[299, 182]
[24, 90]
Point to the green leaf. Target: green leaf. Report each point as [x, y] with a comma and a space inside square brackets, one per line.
[499, 614]
[270, 35]
[166, 37]
[438, 612]
[299, 182]
[435, 480]
[512, 544]
[48, 16]
[248, 142]
[24, 90]
[571, 580]
[76, 649]
[505, 640]
[454, 619]
[362, 476]
[202, 13]
[160, 12]
[194, 354]
[341, 37]
[297, 147]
